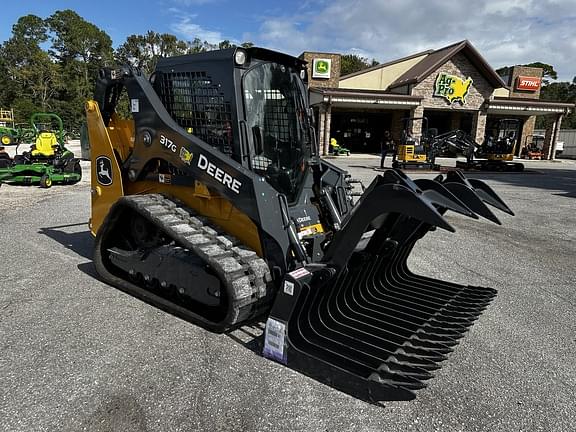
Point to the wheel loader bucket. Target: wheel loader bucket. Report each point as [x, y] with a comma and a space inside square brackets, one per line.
[361, 321]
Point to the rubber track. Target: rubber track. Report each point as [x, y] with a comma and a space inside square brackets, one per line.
[245, 274]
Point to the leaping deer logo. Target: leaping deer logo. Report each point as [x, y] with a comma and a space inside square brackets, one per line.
[104, 176]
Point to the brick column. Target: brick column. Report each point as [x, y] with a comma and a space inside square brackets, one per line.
[416, 126]
[479, 126]
[527, 130]
[551, 138]
[321, 131]
[397, 125]
[327, 126]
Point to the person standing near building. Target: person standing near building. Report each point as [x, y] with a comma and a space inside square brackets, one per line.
[386, 145]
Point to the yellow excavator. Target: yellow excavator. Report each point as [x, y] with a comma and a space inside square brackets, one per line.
[210, 201]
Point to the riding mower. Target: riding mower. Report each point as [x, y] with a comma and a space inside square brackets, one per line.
[48, 161]
[336, 149]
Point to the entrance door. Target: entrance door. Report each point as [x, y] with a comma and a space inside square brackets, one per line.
[446, 121]
[360, 132]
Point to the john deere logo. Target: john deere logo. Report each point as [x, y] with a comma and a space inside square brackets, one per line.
[186, 156]
[321, 68]
[104, 170]
[452, 88]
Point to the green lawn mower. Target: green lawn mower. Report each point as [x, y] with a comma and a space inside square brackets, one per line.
[48, 162]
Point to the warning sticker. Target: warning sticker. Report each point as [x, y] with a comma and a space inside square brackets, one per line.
[274, 340]
[299, 273]
[134, 105]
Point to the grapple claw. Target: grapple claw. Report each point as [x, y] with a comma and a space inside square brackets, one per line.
[362, 314]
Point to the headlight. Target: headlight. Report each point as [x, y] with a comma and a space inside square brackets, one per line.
[240, 57]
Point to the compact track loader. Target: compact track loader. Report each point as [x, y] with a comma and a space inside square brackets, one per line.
[211, 203]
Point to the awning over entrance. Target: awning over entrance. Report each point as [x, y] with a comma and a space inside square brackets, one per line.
[526, 107]
[370, 99]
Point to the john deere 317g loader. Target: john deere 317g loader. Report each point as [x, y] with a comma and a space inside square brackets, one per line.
[212, 204]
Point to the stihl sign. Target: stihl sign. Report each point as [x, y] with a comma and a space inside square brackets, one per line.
[528, 83]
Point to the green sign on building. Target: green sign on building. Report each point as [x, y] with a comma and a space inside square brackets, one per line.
[451, 87]
[321, 68]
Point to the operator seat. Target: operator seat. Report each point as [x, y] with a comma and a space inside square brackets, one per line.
[44, 146]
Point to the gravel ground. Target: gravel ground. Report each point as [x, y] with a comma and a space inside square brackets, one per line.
[78, 355]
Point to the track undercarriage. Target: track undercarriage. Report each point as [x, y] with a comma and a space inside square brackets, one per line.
[160, 251]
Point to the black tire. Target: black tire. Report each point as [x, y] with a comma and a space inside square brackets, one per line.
[19, 159]
[6, 139]
[45, 181]
[74, 168]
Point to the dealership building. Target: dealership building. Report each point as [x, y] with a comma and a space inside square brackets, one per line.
[452, 87]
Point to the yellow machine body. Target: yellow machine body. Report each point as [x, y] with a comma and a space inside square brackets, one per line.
[407, 153]
[115, 142]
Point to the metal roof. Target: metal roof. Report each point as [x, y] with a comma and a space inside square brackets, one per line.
[435, 59]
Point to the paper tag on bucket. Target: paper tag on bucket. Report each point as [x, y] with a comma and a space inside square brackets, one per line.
[274, 340]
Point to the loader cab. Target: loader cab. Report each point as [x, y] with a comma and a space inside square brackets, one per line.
[258, 115]
[278, 124]
[501, 139]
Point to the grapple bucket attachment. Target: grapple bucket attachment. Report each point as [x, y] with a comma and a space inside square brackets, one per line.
[361, 321]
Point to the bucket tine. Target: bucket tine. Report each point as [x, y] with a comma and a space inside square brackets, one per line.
[472, 200]
[478, 295]
[345, 306]
[489, 196]
[485, 192]
[359, 356]
[451, 201]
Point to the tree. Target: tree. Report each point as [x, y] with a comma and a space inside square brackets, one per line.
[350, 63]
[51, 64]
[143, 51]
[559, 92]
[79, 45]
[548, 71]
[550, 91]
[225, 44]
[81, 49]
[28, 73]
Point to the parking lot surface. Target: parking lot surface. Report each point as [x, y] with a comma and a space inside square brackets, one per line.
[79, 355]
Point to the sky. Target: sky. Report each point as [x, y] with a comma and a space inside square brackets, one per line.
[506, 32]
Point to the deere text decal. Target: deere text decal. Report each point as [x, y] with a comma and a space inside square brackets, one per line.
[321, 68]
[451, 87]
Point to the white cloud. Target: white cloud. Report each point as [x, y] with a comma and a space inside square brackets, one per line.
[184, 27]
[505, 32]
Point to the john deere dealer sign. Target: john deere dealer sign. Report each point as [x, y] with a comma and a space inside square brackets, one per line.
[321, 68]
[452, 88]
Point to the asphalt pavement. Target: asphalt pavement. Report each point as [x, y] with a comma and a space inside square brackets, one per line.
[79, 355]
